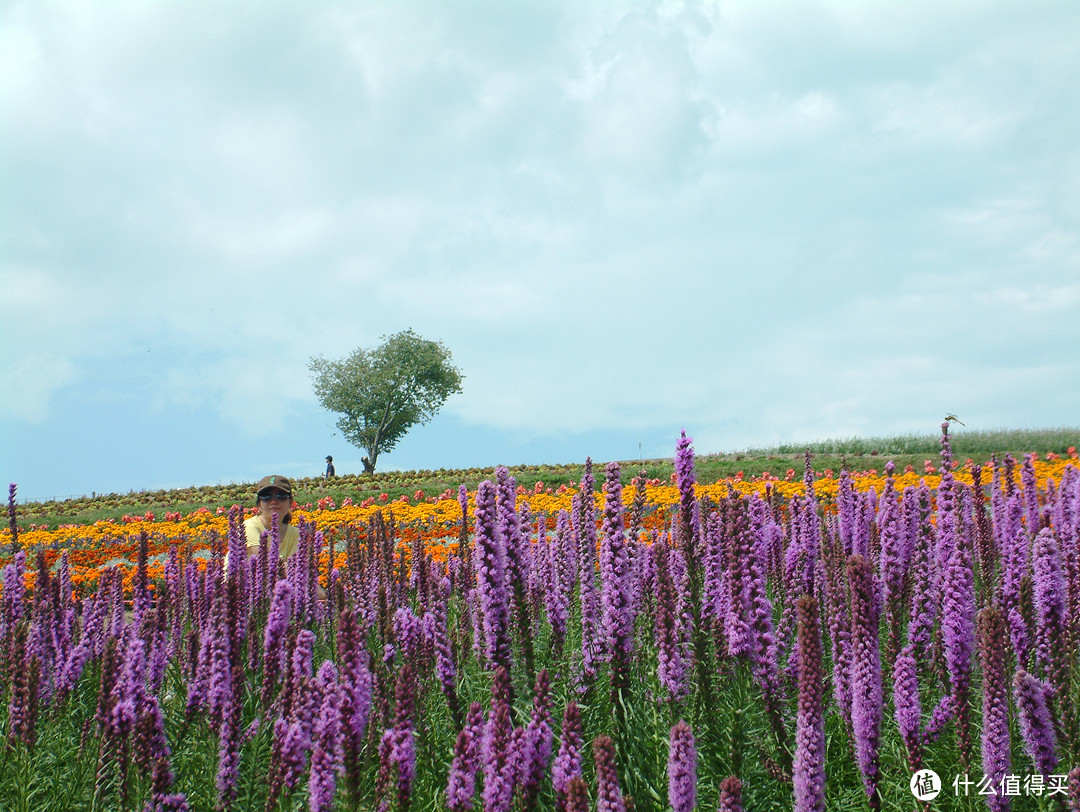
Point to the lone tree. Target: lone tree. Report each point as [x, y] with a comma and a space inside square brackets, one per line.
[382, 393]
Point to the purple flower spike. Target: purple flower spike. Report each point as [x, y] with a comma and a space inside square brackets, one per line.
[1050, 609]
[326, 758]
[461, 785]
[671, 632]
[577, 796]
[567, 764]
[12, 523]
[995, 705]
[609, 797]
[1074, 789]
[536, 740]
[618, 619]
[1036, 724]
[498, 786]
[730, 795]
[682, 768]
[689, 523]
[957, 615]
[273, 636]
[491, 578]
[808, 769]
[907, 705]
[866, 691]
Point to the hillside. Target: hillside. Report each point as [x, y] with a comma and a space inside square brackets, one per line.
[854, 454]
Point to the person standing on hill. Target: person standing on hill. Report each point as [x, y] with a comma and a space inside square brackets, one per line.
[329, 467]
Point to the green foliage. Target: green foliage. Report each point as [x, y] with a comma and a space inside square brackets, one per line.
[965, 442]
[381, 393]
[856, 454]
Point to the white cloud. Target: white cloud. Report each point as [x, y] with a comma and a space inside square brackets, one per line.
[257, 241]
[30, 382]
[1064, 299]
[740, 216]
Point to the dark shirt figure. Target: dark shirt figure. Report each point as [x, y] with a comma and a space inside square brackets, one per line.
[329, 466]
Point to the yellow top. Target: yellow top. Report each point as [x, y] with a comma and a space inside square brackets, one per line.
[254, 528]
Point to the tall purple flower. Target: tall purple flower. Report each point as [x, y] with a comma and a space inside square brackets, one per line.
[445, 668]
[514, 544]
[355, 686]
[584, 516]
[129, 691]
[682, 768]
[866, 691]
[671, 637]
[808, 768]
[498, 783]
[757, 605]
[730, 795]
[13, 524]
[150, 742]
[922, 574]
[689, 523]
[535, 744]
[715, 597]
[907, 707]
[615, 576]
[1014, 566]
[735, 588]
[1036, 723]
[995, 702]
[228, 752]
[221, 672]
[277, 622]
[891, 561]
[14, 591]
[800, 564]
[567, 764]
[838, 620]
[1031, 494]
[592, 644]
[326, 757]
[461, 784]
[161, 800]
[561, 574]
[491, 578]
[609, 796]
[397, 750]
[957, 615]
[93, 619]
[22, 711]
[1050, 610]
[1074, 789]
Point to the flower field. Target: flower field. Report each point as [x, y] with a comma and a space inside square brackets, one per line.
[807, 643]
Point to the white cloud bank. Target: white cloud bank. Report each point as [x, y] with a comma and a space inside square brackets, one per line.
[758, 220]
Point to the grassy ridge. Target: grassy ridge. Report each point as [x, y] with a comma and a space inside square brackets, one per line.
[854, 454]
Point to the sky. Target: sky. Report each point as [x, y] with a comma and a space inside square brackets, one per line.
[754, 221]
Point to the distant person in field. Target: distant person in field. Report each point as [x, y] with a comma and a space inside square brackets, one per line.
[329, 467]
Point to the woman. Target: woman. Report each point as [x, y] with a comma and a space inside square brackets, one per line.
[273, 497]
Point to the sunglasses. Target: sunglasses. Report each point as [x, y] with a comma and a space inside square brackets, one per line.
[275, 497]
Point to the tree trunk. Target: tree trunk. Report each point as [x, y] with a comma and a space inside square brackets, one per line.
[369, 466]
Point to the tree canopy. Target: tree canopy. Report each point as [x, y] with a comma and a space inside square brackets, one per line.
[381, 393]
